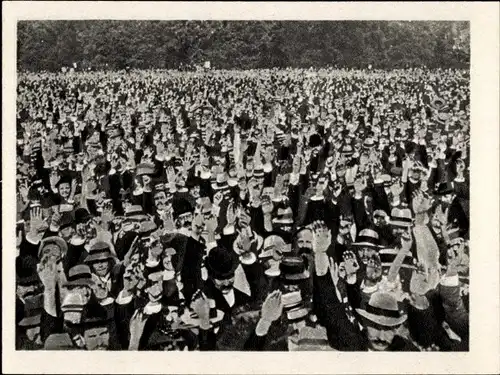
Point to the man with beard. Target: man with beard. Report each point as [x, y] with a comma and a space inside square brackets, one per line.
[452, 209]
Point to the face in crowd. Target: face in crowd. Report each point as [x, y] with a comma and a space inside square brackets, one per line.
[96, 338]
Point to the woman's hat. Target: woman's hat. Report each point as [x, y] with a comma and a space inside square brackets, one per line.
[382, 309]
[444, 188]
[79, 275]
[368, 238]
[401, 217]
[99, 252]
[293, 269]
[221, 263]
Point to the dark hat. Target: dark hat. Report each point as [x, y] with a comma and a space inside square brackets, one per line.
[383, 309]
[293, 269]
[315, 140]
[65, 179]
[79, 275]
[94, 315]
[33, 308]
[99, 252]
[444, 188]
[26, 271]
[181, 206]
[82, 216]
[221, 263]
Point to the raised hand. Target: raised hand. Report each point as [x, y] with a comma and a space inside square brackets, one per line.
[419, 283]
[396, 189]
[55, 220]
[351, 264]
[37, 221]
[359, 186]
[278, 187]
[201, 308]
[218, 198]
[211, 224]
[230, 214]
[420, 202]
[322, 237]
[54, 179]
[47, 271]
[267, 205]
[272, 308]
[246, 239]
[136, 328]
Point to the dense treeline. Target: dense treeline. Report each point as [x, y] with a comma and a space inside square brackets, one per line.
[49, 45]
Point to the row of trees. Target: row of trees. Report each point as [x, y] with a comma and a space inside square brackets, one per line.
[48, 45]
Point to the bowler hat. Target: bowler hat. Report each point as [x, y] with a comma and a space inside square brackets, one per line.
[293, 269]
[221, 263]
[444, 188]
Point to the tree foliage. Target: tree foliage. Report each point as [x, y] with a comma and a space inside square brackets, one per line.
[49, 45]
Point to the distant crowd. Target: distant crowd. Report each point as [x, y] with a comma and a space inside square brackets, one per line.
[262, 210]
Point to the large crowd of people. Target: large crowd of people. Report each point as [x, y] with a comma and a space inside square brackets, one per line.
[260, 210]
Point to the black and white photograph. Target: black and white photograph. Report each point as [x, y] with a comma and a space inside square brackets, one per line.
[243, 185]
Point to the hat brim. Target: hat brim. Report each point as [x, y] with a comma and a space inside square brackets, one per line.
[443, 192]
[400, 224]
[296, 277]
[31, 321]
[98, 258]
[382, 320]
[367, 244]
[81, 282]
